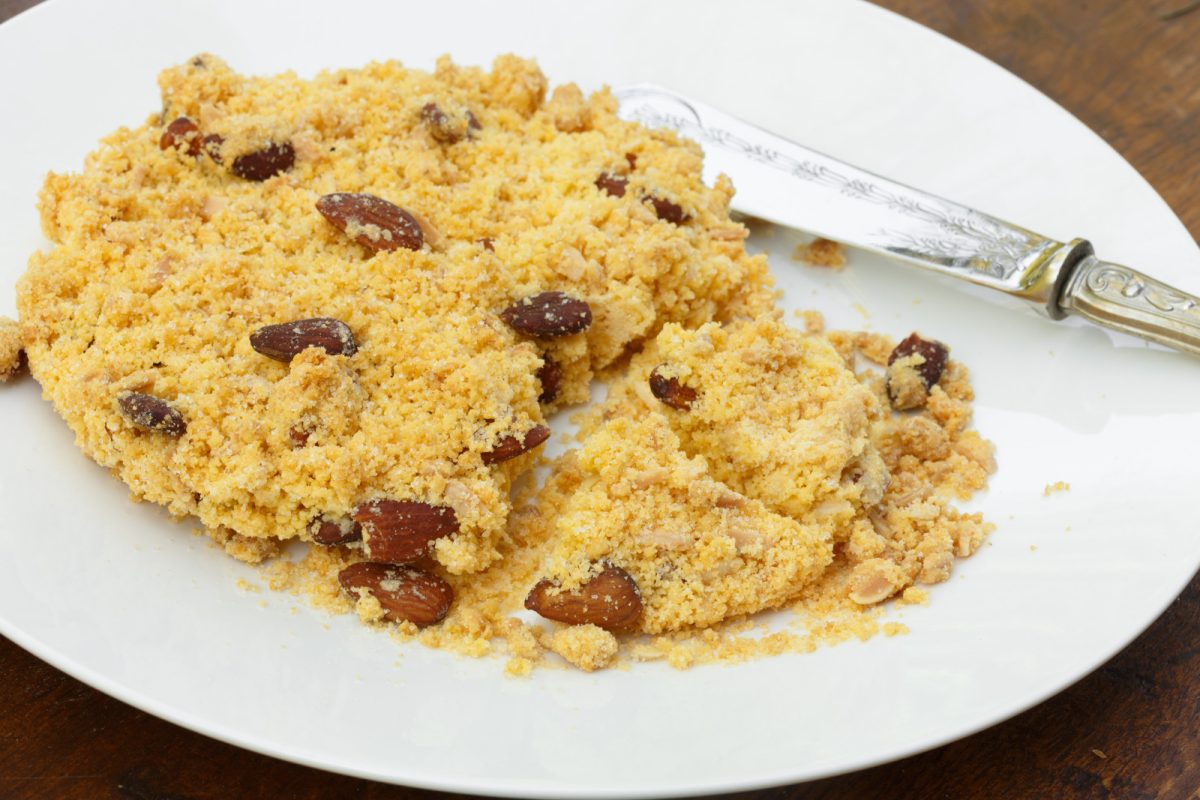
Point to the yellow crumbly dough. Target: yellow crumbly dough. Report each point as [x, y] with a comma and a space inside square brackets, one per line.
[698, 551]
[788, 480]
[164, 263]
[777, 413]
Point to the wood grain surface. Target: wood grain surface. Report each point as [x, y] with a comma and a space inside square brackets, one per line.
[1130, 69]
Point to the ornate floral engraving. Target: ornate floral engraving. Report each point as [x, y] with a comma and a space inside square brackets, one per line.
[1114, 283]
[947, 234]
[1124, 299]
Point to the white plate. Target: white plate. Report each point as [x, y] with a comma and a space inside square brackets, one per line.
[114, 594]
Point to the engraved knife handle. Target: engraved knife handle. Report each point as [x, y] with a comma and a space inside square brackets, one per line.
[1125, 300]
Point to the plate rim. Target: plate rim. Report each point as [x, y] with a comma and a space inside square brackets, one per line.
[538, 789]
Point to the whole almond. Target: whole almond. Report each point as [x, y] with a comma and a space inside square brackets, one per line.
[670, 391]
[666, 210]
[400, 531]
[372, 221]
[285, 340]
[151, 413]
[550, 375]
[406, 594]
[182, 133]
[610, 600]
[511, 446]
[934, 352]
[329, 531]
[548, 314]
[262, 164]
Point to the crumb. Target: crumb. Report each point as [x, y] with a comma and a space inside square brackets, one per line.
[1099, 753]
[821, 253]
[12, 356]
[247, 586]
[244, 548]
[875, 347]
[518, 667]
[586, 646]
[1057, 486]
[814, 321]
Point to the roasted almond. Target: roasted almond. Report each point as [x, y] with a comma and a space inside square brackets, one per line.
[151, 413]
[259, 165]
[610, 184]
[372, 221]
[400, 531]
[550, 375]
[548, 314]
[610, 600]
[670, 391]
[286, 340]
[406, 594]
[182, 133]
[934, 352]
[329, 530]
[666, 210]
[513, 446]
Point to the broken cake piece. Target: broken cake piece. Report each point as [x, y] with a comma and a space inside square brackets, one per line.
[776, 413]
[651, 542]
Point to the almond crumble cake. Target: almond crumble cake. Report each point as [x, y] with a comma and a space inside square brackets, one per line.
[339, 310]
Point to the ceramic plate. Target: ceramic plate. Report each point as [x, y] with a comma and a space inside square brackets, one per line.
[118, 596]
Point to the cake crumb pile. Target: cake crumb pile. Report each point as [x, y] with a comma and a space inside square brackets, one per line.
[340, 310]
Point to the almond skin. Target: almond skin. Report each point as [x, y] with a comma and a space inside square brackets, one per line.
[406, 594]
[670, 391]
[182, 133]
[511, 446]
[666, 210]
[613, 185]
[548, 314]
[151, 413]
[611, 600]
[212, 146]
[265, 163]
[550, 375]
[330, 531]
[400, 531]
[372, 221]
[934, 352]
[286, 340]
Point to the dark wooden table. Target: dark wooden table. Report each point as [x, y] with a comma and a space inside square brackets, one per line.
[1130, 69]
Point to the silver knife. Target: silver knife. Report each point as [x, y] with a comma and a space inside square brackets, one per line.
[789, 184]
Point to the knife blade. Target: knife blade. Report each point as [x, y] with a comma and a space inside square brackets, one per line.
[789, 184]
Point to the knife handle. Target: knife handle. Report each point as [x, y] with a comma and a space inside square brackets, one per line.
[1126, 300]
